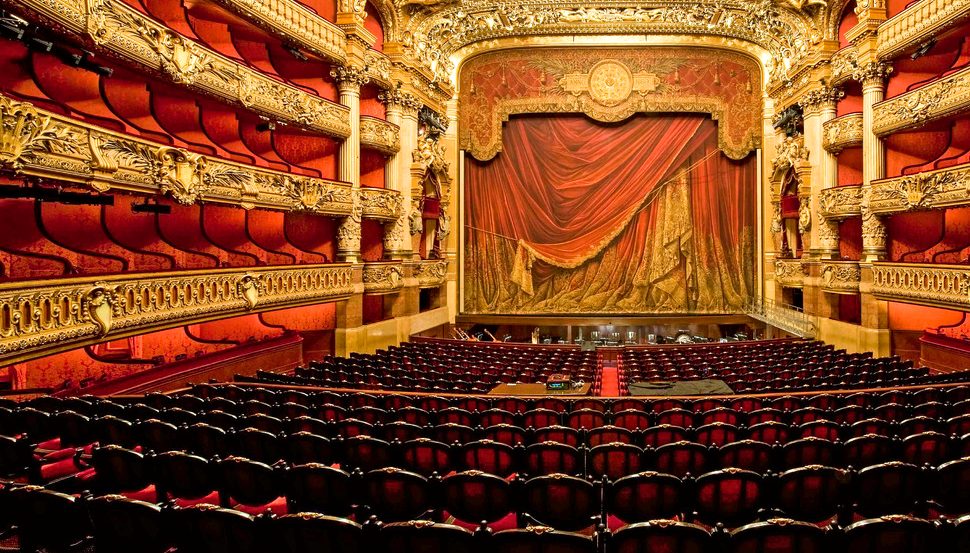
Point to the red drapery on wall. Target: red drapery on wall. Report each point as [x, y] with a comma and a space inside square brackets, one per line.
[588, 211]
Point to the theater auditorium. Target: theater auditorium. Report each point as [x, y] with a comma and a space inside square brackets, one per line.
[478, 276]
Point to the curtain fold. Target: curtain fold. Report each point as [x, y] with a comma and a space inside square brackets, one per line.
[571, 217]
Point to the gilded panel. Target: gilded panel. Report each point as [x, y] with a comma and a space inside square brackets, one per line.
[928, 190]
[936, 100]
[842, 132]
[790, 272]
[609, 85]
[919, 22]
[383, 278]
[380, 203]
[380, 135]
[840, 277]
[840, 202]
[431, 273]
[925, 284]
[42, 317]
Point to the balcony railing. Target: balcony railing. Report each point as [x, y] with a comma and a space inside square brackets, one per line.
[789, 318]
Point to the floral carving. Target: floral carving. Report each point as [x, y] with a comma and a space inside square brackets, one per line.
[842, 132]
[936, 284]
[382, 277]
[25, 131]
[790, 272]
[789, 153]
[840, 202]
[431, 273]
[841, 276]
[380, 135]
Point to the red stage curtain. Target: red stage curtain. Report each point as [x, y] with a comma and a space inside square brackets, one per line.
[643, 216]
[566, 186]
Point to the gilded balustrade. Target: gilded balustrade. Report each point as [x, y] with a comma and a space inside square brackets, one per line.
[923, 283]
[47, 316]
[941, 98]
[919, 22]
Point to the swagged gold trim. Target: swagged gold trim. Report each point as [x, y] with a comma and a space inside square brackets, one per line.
[294, 23]
[431, 273]
[382, 204]
[840, 277]
[941, 98]
[840, 202]
[842, 132]
[383, 277]
[918, 23]
[116, 28]
[380, 135]
[923, 283]
[39, 143]
[929, 190]
[42, 317]
[790, 272]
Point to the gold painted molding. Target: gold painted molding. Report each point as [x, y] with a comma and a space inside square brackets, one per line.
[114, 27]
[383, 277]
[918, 23]
[790, 272]
[840, 202]
[936, 100]
[42, 144]
[840, 277]
[842, 132]
[929, 190]
[294, 23]
[923, 283]
[48, 316]
[382, 204]
[431, 273]
[379, 135]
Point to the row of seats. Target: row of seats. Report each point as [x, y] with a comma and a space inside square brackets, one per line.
[115, 524]
[730, 497]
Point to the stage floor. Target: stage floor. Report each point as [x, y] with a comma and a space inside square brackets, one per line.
[706, 387]
[537, 390]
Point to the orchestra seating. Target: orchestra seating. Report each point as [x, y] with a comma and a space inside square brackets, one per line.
[241, 467]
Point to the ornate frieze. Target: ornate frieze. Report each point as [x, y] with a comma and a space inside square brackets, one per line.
[929, 190]
[919, 22]
[294, 23]
[926, 284]
[42, 144]
[42, 317]
[610, 85]
[431, 273]
[843, 64]
[840, 202]
[790, 272]
[379, 135]
[378, 67]
[118, 29]
[842, 132]
[840, 277]
[383, 278]
[380, 203]
[941, 98]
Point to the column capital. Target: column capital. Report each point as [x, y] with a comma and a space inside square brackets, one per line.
[398, 99]
[349, 78]
[872, 74]
[815, 101]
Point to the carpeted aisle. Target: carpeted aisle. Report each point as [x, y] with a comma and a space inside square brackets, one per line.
[611, 384]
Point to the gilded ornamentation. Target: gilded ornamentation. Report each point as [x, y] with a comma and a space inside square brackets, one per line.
[789, 153]
[817, 99]
[926, 284]
[828, 235]
[378, 66]
[790, 272]
[873, 229]
[293, 22]
[42, 317]
[25, 131]
[350, 76]
[929, 190]
[497, 85]
[380, 135]
[400, 99]
[863, 6]
[804, 216]
[872, 74]
[249, 288]
[840, 202]
[842, 132]
[397, 237]
[382, 277]
[356, 7]
[841, 277]
[930, 102]
[181, 60]
[348, 233]
[444, 225]
[431, 273]
[47, 145]
[919, 22]
[380, 203]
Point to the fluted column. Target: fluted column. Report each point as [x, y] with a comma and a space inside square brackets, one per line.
[349, 80]
[872, 76]
[402, 110]
[819, 107]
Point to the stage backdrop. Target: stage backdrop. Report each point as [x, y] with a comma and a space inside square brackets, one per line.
[577, 216]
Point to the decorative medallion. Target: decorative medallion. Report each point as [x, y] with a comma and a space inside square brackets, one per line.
[610, 83]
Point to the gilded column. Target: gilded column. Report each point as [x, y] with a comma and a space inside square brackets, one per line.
[349, 80]
[402, 110]
[872, 76]
[819, 108]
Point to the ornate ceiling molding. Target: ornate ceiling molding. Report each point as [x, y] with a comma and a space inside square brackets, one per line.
[49, 316]
[842, 132]
[930, 190]
[840, 202]
[924, 284]
[610, 84]
[936, 100]
[38, 143]
[113, 27]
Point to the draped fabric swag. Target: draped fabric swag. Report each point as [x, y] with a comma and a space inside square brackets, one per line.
[576, 216]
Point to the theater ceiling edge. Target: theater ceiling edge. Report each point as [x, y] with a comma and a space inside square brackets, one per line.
[610, 85]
